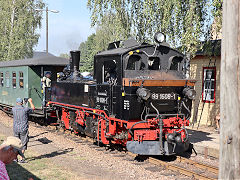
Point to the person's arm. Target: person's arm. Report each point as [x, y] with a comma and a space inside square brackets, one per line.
[43, 81]
[31, 103]
[5, 153]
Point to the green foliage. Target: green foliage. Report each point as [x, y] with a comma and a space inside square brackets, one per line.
[88, 50]
[64, 55]
[110, 29]
[19, 21]
[184, 22]
[217, 13]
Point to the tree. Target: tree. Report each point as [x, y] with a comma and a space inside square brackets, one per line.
[230, 89]
[217, 14]
[64, 55]
[110, 29]
[88, 50]
[184, 22]
[19, 21]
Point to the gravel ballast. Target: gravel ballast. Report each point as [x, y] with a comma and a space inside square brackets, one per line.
[83, 159]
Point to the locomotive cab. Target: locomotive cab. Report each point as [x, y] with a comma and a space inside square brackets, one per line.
[160, 69]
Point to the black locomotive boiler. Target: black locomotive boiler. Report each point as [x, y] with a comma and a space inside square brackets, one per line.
[139, 97]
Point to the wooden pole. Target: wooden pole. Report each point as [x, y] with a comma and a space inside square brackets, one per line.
[230, 92]
[47, 30]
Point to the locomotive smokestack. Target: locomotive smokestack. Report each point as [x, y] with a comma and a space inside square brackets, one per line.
[74, 66]
[71, 64]
[75, 55]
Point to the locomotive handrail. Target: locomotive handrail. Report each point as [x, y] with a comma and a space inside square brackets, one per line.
[167, 114]
[161, 127]
[37, 91]
[72, 108]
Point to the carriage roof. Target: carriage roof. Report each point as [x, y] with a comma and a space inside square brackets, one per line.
[48, 60]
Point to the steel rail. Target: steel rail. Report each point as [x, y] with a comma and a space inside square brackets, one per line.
[181, 170]
[198, 164]
[176, 168]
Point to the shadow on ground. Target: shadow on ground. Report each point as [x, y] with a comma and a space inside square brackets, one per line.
[198, 136]
[38, 135]
[44, 140]
[52, 154]
[17, 172]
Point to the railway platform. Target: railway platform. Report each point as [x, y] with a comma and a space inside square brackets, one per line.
[205, 140]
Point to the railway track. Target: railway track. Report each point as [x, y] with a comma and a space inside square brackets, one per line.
[186, 171]
[209, 168]
[180, 165]
[205, 169]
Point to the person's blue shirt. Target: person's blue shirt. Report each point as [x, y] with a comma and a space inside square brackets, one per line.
[20, 118]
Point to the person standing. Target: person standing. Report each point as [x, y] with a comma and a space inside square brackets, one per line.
[9, 150]
[46, 83]
[20, 123]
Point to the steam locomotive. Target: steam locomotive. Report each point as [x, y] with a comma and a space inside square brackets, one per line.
[139, 97]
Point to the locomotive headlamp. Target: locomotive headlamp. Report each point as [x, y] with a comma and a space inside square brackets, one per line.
[190, 93]
[143, 93]
[159, 37]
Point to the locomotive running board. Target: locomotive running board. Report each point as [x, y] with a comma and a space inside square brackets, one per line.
[149, 148]
[157, 82]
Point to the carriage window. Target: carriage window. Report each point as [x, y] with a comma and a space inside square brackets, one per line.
[134, 63]
[153, 63]
[14, 80]
[21, 84]
[7, 79]
[209, 84]
[109, 71]
[1, 79]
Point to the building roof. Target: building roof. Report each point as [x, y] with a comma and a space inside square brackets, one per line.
[37, 54]
[39, 58]
[210, 48]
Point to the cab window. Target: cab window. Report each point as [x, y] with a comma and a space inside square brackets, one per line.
[154, 63]
[109, 71]
[135, 63]
[175, 63]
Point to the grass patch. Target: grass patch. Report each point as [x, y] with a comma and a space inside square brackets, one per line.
[37, 169]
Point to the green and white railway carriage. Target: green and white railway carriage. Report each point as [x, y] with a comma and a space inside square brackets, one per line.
[22, 78]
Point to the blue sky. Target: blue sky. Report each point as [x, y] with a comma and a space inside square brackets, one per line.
[66, 29]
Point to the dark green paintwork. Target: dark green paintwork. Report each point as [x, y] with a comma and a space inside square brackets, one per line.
[32, 83]
[9, 94]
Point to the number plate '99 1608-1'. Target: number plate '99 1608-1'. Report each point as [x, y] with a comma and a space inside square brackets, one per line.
[164, 96]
